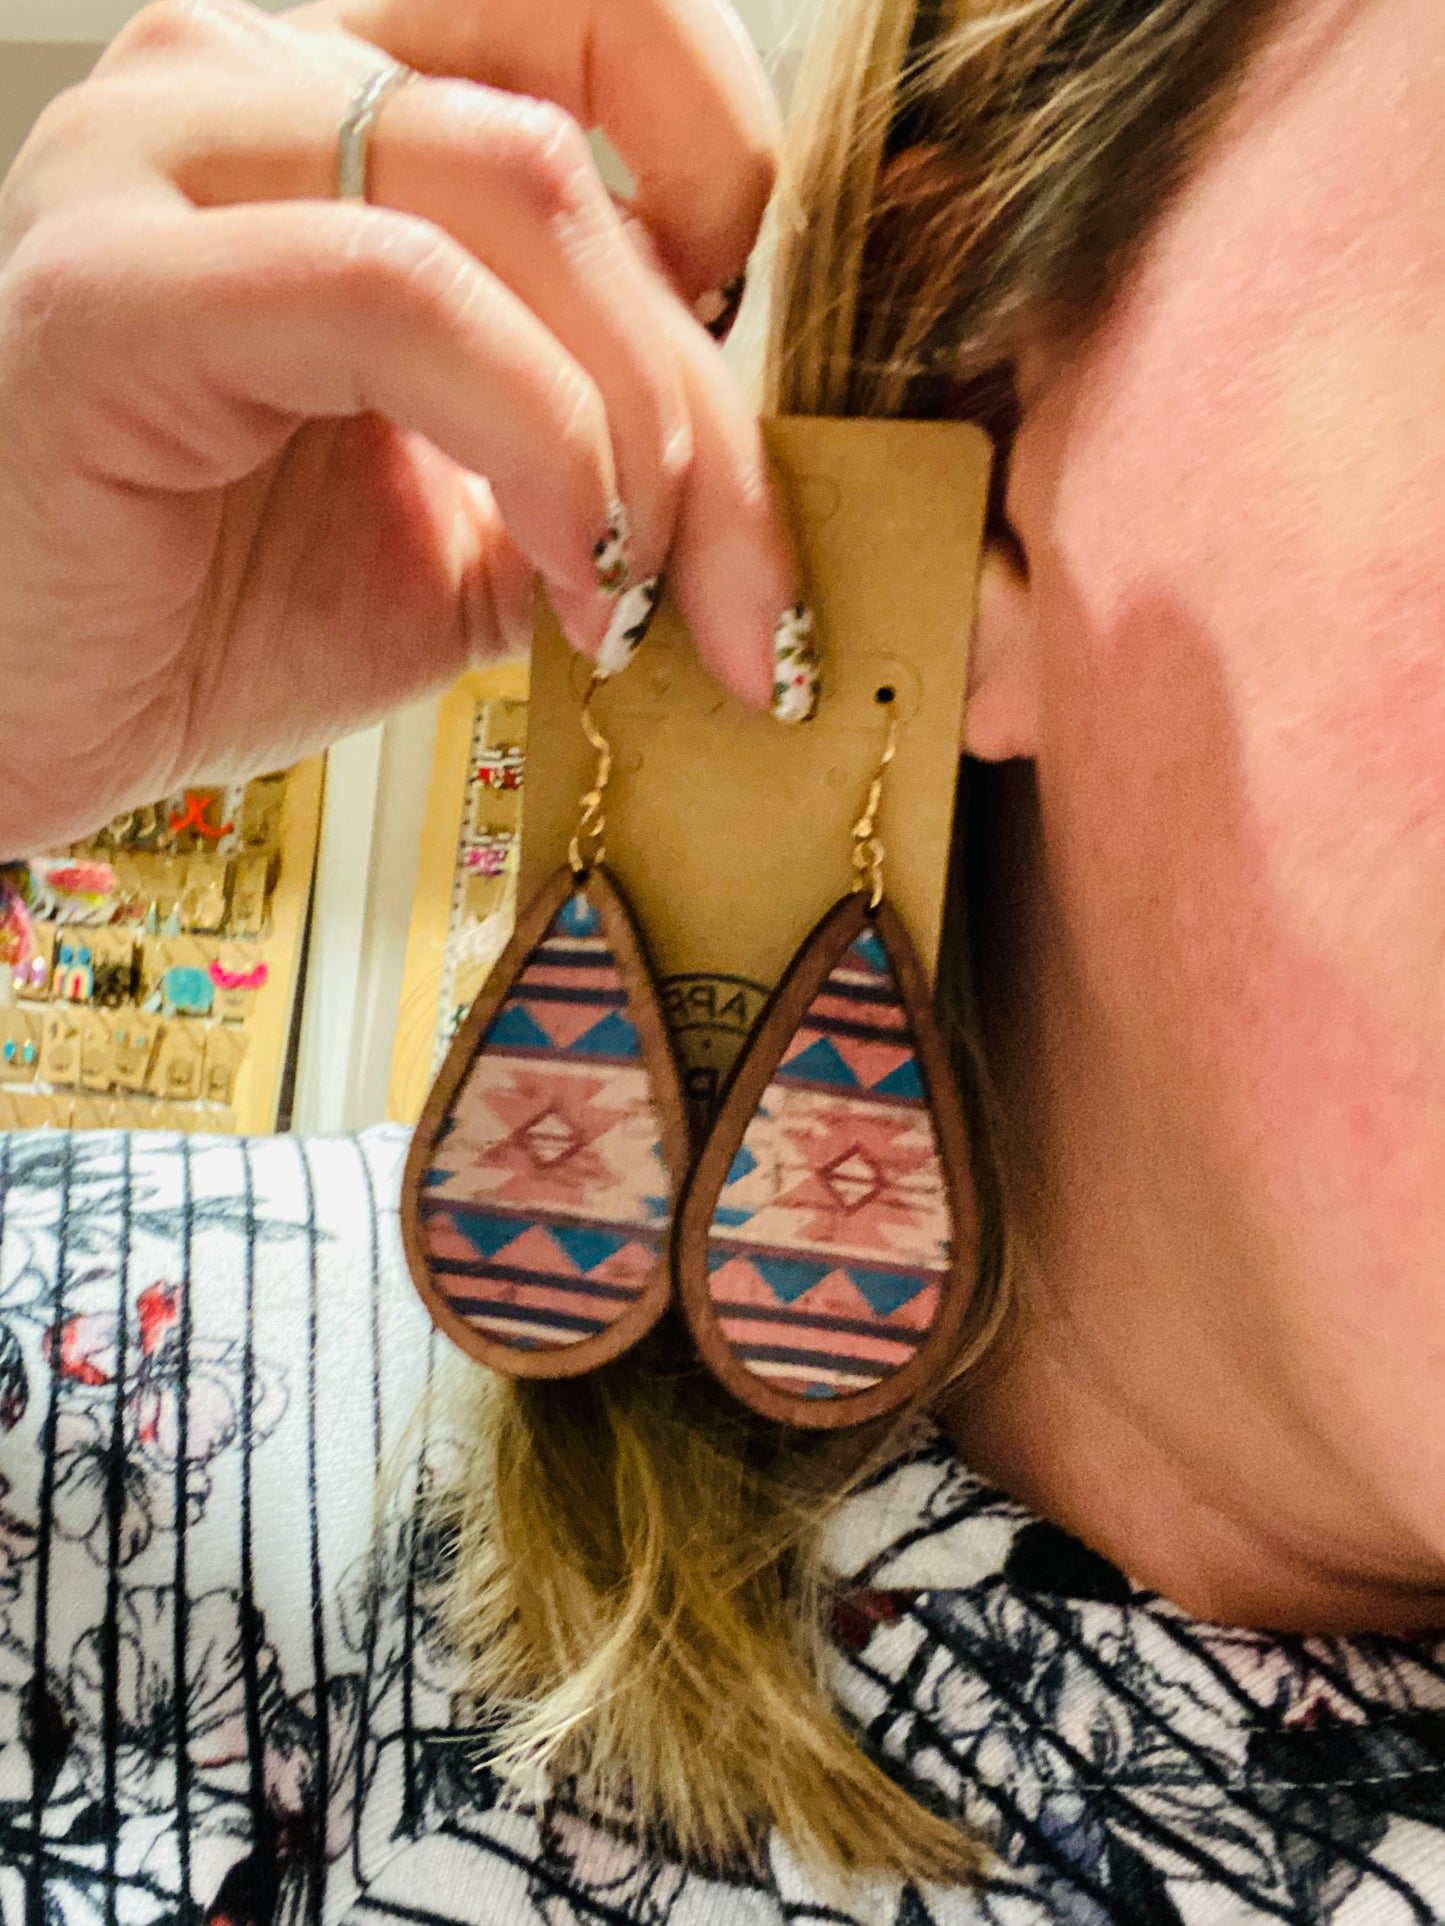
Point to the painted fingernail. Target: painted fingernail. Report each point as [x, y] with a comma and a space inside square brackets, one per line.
[796, 679]
[719, 310]
[630, 622]
[612, 556]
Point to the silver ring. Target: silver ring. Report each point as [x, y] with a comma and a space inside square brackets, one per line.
[354, 147]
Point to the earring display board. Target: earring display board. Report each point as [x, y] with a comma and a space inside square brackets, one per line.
[466, 892]
[732, 833]
[159, 991]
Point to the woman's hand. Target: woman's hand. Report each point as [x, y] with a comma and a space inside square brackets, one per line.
[273, 463]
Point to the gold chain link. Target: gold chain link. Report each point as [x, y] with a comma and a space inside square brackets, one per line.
[592, 824]
[868, 850]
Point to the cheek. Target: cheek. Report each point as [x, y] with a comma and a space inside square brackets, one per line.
[1332, 626]
[1241, 772]
[1235, 510]
[1236, 525]
[1234, 506]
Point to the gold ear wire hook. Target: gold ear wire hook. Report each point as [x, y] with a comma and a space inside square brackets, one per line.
[868, 850]
[592, 823]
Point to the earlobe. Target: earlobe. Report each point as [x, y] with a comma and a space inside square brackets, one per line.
[1001, 720]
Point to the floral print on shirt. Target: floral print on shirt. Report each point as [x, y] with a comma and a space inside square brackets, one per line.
[222, 1695]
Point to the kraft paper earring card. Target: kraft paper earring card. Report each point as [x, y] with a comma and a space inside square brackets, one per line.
[730, 831]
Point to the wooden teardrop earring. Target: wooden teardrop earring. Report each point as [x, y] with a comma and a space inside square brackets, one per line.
[538, 1192]
[826, 1242]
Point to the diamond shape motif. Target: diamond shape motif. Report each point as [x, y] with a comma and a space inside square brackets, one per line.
[852, 1180]
[548, 1140]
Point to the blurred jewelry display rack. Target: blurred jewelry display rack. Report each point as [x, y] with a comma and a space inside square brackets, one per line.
[149, 975]
[466, 891]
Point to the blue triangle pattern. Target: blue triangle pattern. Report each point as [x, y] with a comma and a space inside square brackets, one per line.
[887, 1291]
[867, 950]
[586, 1246]
[486, 1234]
[744, 1164]
[905, 1081]
[820, 1063]
[578, 918]
[614, 1036]
[515, 1026]
[789, 1277]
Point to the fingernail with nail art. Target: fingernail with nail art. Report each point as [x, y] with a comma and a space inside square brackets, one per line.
[795, 674]
[719, 310]
[612, 556]
[630, 622]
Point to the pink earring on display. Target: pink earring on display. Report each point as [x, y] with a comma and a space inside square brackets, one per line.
[74, 976]
[17, 931]
[540, 1183]
[826, 1243]
[489, 853]
[252, 979]
[32, 979]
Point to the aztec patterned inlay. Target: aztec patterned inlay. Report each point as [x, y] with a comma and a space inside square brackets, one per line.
[546, 1205]
[830, 1244]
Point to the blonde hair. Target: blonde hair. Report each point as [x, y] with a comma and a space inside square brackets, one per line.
[634, 1572]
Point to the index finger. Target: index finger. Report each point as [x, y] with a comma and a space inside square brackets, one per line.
[674, 84]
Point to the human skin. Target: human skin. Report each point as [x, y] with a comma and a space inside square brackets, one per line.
[273, 464]
[1222, 1054]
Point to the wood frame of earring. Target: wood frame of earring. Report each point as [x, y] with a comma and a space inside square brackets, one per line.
[781, 1018]
[619, 927]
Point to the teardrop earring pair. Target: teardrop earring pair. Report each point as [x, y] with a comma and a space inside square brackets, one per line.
[821, 1244]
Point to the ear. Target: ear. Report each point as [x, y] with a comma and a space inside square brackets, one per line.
[1001, 720]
